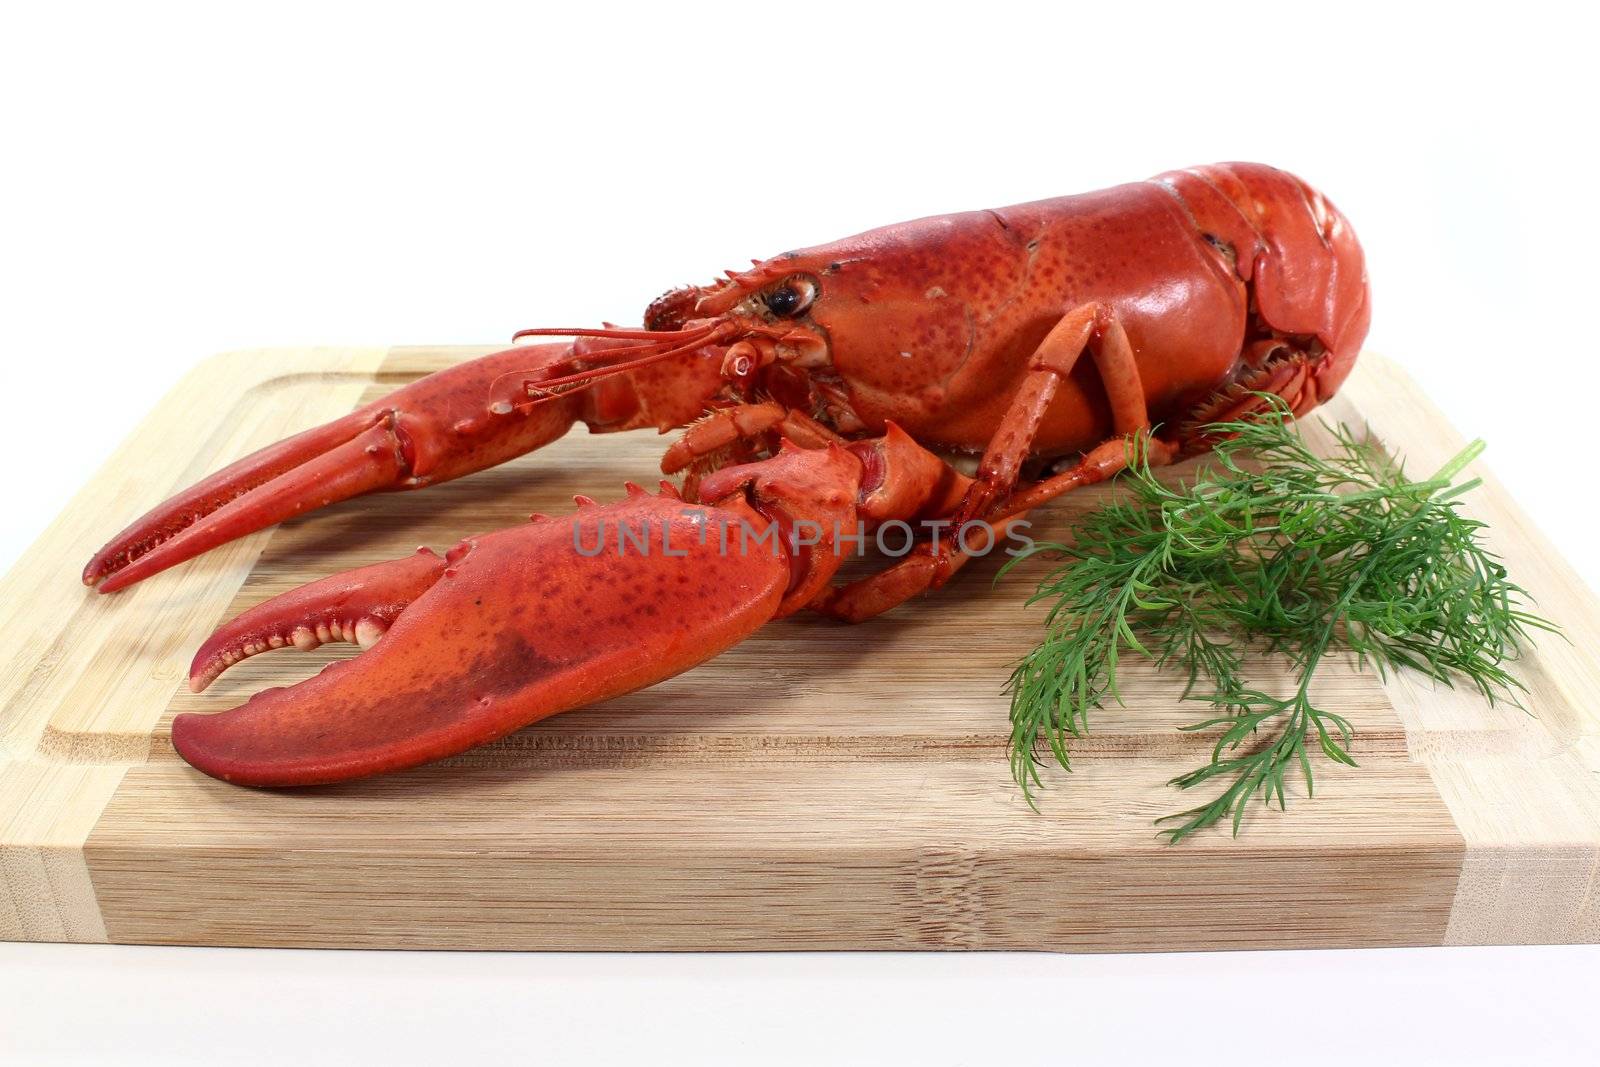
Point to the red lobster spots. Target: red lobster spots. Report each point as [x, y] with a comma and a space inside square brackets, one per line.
[818, 388]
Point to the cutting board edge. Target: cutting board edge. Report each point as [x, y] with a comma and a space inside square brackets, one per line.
[49, 804]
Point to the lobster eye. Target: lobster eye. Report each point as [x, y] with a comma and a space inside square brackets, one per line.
[791, 298]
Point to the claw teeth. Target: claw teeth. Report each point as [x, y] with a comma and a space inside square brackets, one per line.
[583, 501]
[633, 489]
[670, 491]
[368, 630]
[356, 607]
[364, 631]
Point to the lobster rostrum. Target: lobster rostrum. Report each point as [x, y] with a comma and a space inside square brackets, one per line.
[825, 385]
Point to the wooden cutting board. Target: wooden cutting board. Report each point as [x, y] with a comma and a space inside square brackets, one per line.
[819, 787]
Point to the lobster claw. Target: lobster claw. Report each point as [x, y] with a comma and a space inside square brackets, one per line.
[506, 629]
[435, 429]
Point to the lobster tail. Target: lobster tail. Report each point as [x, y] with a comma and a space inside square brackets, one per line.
[1297, 252]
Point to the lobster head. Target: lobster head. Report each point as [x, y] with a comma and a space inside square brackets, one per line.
[892, 309]
[765, 315]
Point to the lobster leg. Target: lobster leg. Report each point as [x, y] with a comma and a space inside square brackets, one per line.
[986, 499]
[743, 423]
[720, 429]
[932, 564]
[1091, 327]
[902, 480]
[739, 434]
[1100, 463]
[1286, 375]
[1282, 370]
[875, 594]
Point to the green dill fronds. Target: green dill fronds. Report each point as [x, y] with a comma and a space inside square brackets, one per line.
[1271, 549]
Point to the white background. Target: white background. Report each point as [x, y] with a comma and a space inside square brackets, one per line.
[179, 180]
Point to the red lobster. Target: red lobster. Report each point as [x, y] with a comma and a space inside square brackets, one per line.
[819, 389]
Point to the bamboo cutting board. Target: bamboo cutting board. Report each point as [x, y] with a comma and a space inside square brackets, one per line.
[818, 787]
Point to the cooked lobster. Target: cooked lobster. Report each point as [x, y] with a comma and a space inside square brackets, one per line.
[823, 388]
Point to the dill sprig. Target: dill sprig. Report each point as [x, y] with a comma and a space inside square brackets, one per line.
[1271, 548]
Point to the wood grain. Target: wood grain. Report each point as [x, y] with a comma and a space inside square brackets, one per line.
[818, 786]
[85, 677]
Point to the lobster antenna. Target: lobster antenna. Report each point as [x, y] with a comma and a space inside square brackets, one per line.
[663, 345]
[592, 375]
[624, 332]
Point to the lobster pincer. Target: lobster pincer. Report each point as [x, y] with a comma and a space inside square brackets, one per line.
[514, 626]
[460, 420]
